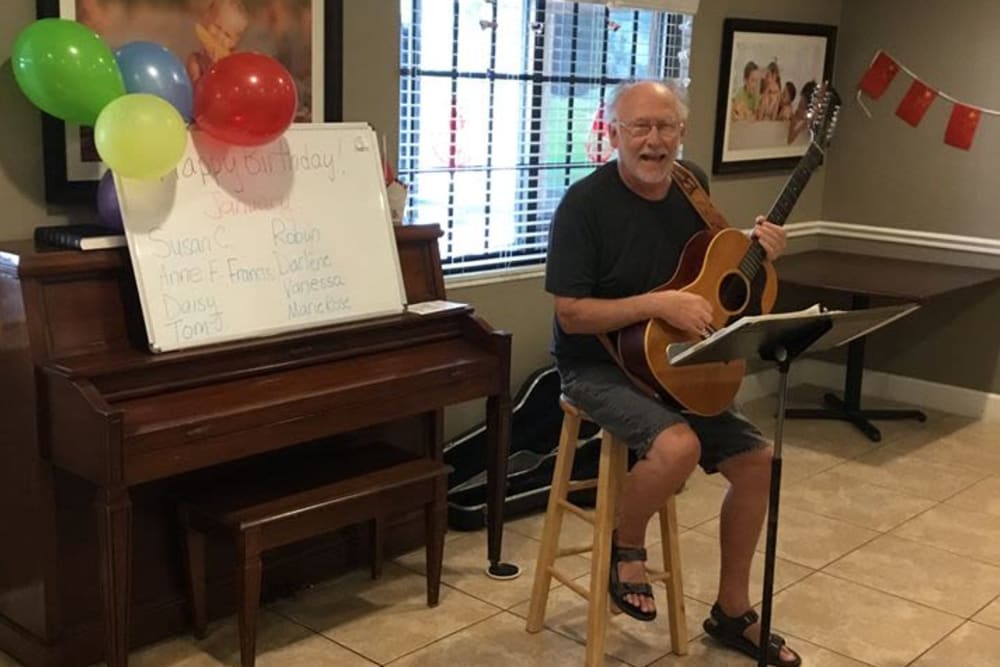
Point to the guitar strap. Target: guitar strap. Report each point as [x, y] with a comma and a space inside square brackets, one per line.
[714, 220]
[691, 187]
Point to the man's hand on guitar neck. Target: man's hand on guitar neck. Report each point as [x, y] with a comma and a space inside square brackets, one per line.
[772, 237]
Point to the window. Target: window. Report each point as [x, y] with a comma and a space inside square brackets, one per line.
[501, 109]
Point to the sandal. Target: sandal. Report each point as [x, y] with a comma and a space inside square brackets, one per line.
[619, 589]
[728, 630]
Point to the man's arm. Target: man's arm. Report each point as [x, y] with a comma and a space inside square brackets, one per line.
[587, 315]
[594, 316]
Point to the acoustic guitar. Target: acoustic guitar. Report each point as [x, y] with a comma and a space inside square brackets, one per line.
[732, 272]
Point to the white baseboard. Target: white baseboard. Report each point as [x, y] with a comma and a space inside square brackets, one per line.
[970, 250]
[911, 391]
[976, 251]
[974, 245]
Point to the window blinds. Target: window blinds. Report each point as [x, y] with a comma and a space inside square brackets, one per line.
[501, 109]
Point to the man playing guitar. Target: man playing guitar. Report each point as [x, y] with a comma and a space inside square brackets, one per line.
[618, 234]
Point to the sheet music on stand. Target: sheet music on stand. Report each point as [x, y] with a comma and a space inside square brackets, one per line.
[759, 332]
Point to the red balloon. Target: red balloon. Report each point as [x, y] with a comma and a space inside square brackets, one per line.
[248, 99]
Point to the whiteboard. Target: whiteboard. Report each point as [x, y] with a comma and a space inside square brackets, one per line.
[242, 242]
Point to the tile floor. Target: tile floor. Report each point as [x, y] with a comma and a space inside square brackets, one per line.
[889, 555]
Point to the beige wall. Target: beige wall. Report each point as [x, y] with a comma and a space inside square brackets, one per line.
[371, 66]
[883, 172]
[940, 189]
[371, 93]
[21, 186]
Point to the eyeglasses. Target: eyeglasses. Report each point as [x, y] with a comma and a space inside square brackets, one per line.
[642, 128]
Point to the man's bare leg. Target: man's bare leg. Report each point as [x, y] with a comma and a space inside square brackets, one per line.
[652, 480]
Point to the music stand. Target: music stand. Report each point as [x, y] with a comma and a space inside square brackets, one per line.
[781, 338]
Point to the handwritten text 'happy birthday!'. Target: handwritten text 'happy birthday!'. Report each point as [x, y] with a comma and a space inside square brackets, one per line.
[234, 170]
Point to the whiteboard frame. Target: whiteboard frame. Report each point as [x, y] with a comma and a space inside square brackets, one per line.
[389, 229]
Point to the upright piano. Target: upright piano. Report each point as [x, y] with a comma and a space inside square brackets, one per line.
[96, 433]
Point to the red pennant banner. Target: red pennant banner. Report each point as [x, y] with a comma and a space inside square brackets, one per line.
[879, 75]
[915, 103]
[964, 120]
[962, 126]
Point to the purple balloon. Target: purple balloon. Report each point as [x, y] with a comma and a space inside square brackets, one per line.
[109, 213]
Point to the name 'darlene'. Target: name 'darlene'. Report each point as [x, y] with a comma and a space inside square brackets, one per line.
[298, 262]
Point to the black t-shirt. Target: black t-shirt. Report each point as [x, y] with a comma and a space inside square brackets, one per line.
[608, 242]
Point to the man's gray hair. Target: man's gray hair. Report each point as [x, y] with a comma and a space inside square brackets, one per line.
[679, 92]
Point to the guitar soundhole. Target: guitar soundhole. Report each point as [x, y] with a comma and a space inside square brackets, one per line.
[733, 292]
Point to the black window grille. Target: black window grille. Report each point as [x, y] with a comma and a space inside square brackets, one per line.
[502, 108]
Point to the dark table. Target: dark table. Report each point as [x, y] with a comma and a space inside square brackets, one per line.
[865, 277]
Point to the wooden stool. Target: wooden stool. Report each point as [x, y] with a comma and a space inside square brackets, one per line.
[611, 474]
[300, 501]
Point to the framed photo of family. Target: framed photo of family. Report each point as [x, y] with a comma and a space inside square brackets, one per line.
[767, 73]
[304, 35]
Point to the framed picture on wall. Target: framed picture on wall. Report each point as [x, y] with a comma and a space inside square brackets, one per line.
[304, 35]
[767, 73]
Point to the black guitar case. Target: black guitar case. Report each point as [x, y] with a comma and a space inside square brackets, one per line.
[536, 420]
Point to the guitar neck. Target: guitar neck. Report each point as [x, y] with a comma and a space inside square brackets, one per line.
[783, 205]
[795, 184]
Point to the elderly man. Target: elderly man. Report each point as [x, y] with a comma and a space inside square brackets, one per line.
[617, 234]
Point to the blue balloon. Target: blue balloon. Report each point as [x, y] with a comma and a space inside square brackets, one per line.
[148, 67]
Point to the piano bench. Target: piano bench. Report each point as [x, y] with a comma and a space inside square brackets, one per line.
[288, 504]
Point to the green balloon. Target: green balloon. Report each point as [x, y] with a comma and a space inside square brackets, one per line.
[66, 70]
[140, 136]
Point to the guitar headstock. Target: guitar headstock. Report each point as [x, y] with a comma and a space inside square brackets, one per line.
[824, 108]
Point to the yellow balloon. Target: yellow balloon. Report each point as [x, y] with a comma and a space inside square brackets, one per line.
[140, 136]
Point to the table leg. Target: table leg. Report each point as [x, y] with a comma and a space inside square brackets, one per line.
[497, 445]
[114, 538]
[849, 409]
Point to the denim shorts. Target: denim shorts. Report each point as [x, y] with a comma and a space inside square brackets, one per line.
[605, 393]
